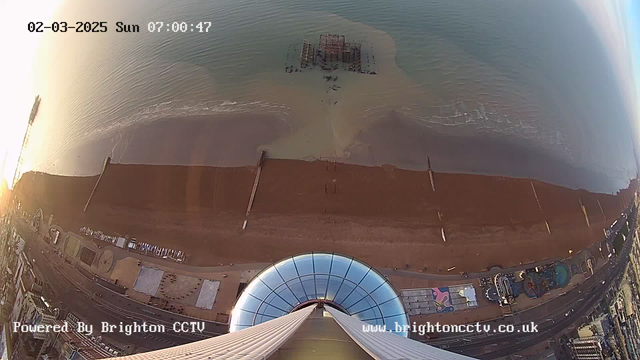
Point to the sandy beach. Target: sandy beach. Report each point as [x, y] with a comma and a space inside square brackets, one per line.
[383, 215]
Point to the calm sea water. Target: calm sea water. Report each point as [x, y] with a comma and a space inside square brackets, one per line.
[525, 74]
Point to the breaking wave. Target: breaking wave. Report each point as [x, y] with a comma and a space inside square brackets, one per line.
[180, 108]
[460, 118]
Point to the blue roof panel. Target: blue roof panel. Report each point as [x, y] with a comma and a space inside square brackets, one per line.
[353, 287]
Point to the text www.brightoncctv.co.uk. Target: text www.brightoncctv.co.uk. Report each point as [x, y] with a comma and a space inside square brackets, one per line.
[429, 328]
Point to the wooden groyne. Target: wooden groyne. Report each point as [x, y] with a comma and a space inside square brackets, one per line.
[104, 168]
[255, 186]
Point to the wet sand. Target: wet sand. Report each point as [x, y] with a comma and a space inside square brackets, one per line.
[385, 216]
[236, 140]
[399, 140]
[220, 140]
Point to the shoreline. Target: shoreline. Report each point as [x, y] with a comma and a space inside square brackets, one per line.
[232, 140]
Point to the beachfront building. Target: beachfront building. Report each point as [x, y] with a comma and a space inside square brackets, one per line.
[591, 348]
[35, 311]
[73, 345]
[317, 305]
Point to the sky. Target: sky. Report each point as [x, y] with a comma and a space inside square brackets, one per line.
[617, 22]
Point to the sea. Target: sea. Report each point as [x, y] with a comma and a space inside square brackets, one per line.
[498, 87]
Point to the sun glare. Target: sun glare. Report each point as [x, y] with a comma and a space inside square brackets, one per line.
[18, 93]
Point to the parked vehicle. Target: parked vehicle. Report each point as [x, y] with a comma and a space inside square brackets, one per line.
[125, 242]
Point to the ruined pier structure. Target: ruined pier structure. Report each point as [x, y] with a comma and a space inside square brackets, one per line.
[307, 56]
[332, 48]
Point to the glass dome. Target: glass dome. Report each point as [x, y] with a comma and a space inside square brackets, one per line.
[345, 283]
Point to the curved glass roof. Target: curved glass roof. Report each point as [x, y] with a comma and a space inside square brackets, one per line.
[351, 286]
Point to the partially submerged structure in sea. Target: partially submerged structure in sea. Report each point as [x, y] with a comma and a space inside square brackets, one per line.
[332, 52]
[308, 55]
